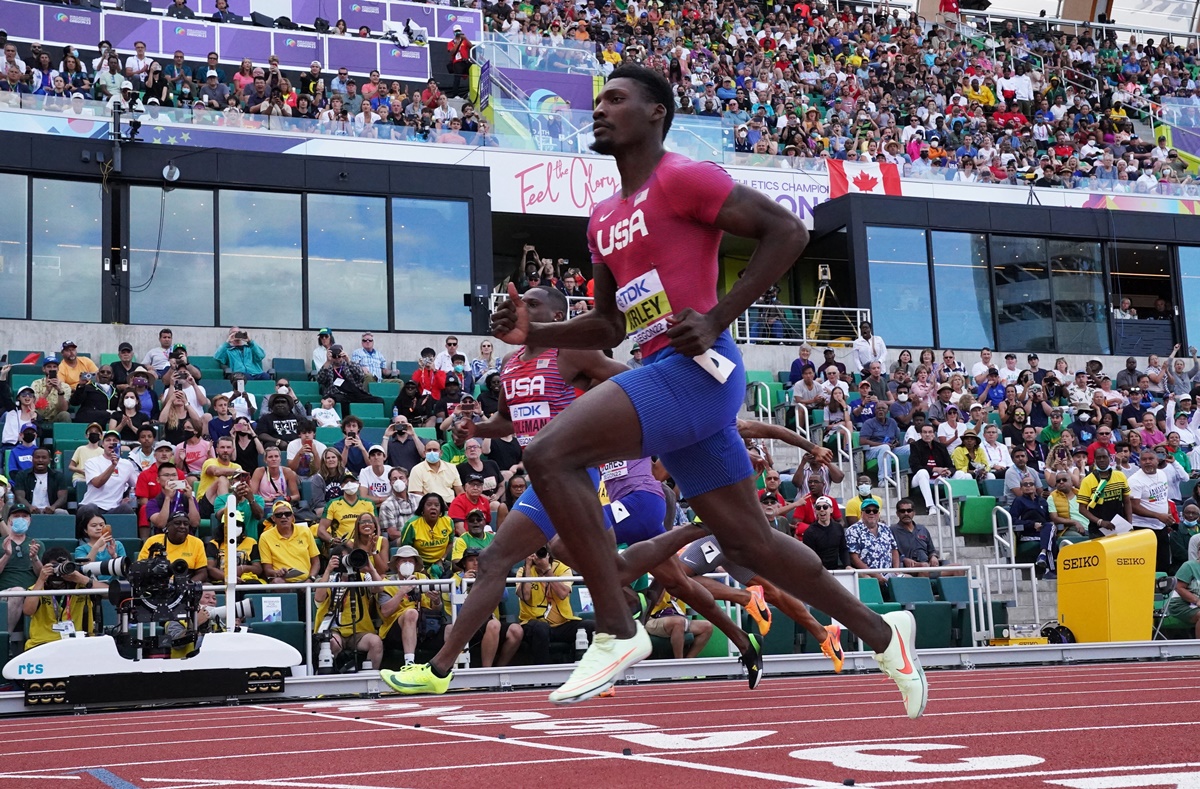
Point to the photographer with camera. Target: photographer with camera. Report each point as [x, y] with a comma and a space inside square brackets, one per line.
[180, 544]
[95, 397]
[546, 613]
[487, 638]
[183, 377]
[288, 551]
[766, 318]
[401, 448]
[52, 616]
[242, 355]
[346, 616]
[417, 609]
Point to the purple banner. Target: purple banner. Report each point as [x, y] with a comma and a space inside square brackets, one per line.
[360, 55]
[305, 11]
[22, 20]
[421, 15]
[549, 91]
[410, 63]
[361, 12]
[123, 31]
[69, 26]
[248, 42]
[447, 18]
[194, 39]
[294, 49]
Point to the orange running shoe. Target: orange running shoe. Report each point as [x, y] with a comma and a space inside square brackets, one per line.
[608, 694]
[832, 647]
[758, 609]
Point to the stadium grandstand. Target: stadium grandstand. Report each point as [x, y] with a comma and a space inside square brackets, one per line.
[248, 254]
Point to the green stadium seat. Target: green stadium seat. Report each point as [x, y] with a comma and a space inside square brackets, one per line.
[577, 604]
[717, 646]
[202, 362]
[284, 366]
[260, 389]
[365, 410]
[51, 527]
[109, 358]
[871, 594]
[810, 645]
[377, 422]
[976, 515]
[211, 375]
[1187, 488]
[329, 435]
[759, 376]
[425, 433]
[123, 526]
[956, 590]
[934, 618]
[24, 379]
[69, 431]
[405, 370]
[305, 390]
[963, 488]
[16, 357]
[293, 633]
[994, 488]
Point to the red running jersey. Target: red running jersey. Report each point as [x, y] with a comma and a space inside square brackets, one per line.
[534, 392]
[661, 246]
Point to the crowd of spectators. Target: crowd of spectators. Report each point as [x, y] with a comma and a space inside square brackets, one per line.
[169, 444]
[792, 86]
[1073, 454]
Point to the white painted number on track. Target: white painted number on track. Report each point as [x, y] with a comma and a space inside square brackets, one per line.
[492, 717]
[698, 741]
[1159, 781]
[860, 757]
[584, 726]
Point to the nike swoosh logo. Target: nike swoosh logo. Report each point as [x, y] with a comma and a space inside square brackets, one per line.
[907, 668]
[587, 680]
[606, 216]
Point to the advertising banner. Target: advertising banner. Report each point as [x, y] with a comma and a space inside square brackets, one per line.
[295, 49]
[250, 42]
[447, 18]
[362, 12]
[195, 39]
[409, 63]
[22, 20]
[355, 54]
[125, 30]
[67, 26]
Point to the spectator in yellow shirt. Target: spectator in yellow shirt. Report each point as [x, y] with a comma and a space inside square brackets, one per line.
[431, 532]
[417, 609]
[546, 613]
[288, 551]
[487, 638]
[353, 625]
[46, 612]
[72, 365]
[180, 544]
[341, 515]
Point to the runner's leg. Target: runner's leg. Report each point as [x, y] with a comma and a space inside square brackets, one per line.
[519, 537]
[558, 460]
[787, 562]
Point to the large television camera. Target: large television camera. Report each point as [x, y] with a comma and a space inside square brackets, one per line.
[157, 597]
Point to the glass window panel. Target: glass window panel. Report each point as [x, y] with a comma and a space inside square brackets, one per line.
[1080, 309]
[899, 271]
[260, 260]
[14, 245]
[347, 262]
[963, 288]
[174, 286]
[1021, 283]
[67, 238]
[431, 263]
[1189, 290]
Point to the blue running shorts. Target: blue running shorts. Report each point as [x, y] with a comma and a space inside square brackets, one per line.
[531, 507]
[689, 418]
[637, 517]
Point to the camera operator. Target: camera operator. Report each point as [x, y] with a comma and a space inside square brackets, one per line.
[50, 617]
[546, 612]
[487, 638]
[180, 544]
[174, 498]
[417, 609]
[767, 322]
[352, 626]
[242, 355]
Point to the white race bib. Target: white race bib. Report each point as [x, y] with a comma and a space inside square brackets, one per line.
[645, 305]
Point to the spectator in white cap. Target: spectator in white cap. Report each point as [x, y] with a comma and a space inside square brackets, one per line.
[77, 108]
[127, 100]
[460, 62]
[213, 93]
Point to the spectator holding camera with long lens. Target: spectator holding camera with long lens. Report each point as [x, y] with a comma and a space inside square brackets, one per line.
[546, 613]
[51, 617]
[352, 625]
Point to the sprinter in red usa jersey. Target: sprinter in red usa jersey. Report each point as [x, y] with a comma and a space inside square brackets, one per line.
[655, 250]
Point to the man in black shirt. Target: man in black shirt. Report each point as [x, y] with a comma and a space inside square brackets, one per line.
[403, 451]
[280, 426]
[827, 538]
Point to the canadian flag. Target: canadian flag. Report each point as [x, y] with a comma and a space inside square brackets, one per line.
[871, 178]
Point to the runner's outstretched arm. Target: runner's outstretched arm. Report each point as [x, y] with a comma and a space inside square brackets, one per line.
[749, 428]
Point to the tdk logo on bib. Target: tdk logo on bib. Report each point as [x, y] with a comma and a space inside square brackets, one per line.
[529, 411]
[622, 233]
[645, 305]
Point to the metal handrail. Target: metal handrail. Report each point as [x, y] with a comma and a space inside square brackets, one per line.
[1015, 568]
[797, 320]
[947, 511]
[846, 454]
[891, 461]
[1009, 544]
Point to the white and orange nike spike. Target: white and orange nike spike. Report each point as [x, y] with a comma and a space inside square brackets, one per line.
[900, 662]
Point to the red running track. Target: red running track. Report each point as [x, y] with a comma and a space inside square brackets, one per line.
[1088, 727]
